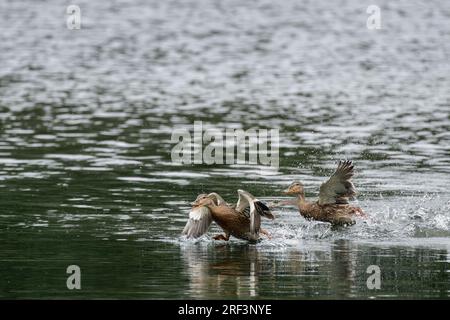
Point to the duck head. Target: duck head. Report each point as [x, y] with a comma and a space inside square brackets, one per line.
[203, 200]
[296, 188]
[200, 196]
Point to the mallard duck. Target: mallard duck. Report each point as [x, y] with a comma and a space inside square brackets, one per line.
[242, 220]
[333, 204]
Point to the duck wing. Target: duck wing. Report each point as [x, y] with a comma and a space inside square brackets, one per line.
[338, 188]
[243, 205]
[200, 219]
[247, 203]
[218, 200]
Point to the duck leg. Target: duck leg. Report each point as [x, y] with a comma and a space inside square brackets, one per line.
[224, 237]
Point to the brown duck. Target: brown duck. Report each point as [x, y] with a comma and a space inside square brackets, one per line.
[242, 220]
[333, 204]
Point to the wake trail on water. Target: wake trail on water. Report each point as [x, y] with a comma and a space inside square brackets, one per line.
[391, 219]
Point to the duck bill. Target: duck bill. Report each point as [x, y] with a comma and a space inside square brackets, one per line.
[286, 191]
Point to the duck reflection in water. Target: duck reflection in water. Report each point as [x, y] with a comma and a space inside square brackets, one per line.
[222, 271]
[243, 271]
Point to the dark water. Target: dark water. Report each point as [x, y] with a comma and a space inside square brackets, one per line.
[86, 118]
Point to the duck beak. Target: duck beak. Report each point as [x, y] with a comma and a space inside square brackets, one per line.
[286, 191]
[193, 203]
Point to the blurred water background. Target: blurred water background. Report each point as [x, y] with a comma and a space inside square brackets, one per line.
[86, 118]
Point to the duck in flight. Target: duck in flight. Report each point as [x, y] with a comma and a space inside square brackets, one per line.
[242, 220]
[333, 204]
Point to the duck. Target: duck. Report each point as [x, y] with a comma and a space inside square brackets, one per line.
[333, 205]
[242, 220]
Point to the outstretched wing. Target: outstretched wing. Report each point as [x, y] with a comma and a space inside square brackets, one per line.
[218, 200]
[338, 188]
[200, 219]
[255, 208]
[243, 204]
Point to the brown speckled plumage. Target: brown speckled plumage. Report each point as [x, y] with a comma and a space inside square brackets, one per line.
[333, 204]
[242, 220]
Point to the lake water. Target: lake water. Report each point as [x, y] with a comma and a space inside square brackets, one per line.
[86, 117]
